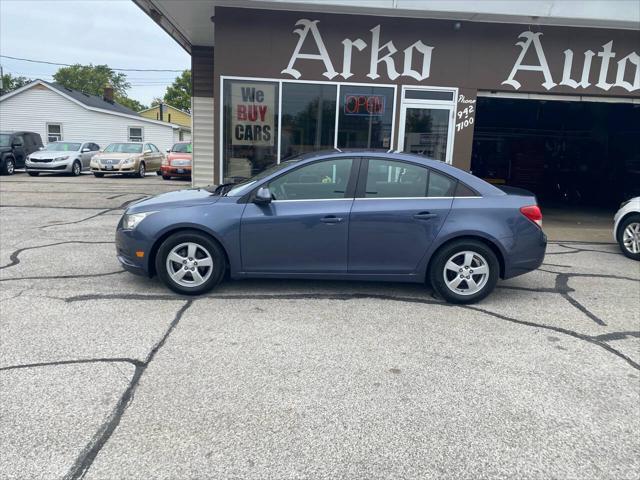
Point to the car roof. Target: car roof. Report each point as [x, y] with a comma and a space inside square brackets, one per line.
[472, 181]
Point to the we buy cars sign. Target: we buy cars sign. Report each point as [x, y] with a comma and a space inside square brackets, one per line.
[253, 114]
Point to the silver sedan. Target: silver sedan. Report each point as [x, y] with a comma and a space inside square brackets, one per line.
[62, 157]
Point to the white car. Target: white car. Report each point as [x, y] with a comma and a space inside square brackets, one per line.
[61, 157]
[626, 230]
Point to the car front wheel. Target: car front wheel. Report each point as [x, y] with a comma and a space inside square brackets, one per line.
[76, 169]
[9, 167]
[141, 170]
[464, 271]
[629, 237]
[190, 263]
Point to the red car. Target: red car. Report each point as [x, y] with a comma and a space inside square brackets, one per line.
[178, 161]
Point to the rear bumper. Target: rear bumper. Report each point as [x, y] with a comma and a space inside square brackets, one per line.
[526, 254]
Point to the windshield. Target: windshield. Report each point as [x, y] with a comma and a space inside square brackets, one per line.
[181, 148]
[124, 148]
[4, 139]
[63, 147]
[243, 187]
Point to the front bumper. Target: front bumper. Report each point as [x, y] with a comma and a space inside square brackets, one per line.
[175, 171]
[60, 166]
[127, 168]
[127, 244]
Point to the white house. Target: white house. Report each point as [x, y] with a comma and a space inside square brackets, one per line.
[60, 113]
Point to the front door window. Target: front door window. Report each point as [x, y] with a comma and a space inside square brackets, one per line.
[317, 181]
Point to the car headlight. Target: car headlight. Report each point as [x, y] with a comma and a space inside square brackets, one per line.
[131, 220]
[129, 160]
[57, 159]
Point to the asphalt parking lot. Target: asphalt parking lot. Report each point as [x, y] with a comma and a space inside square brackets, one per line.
[105, 375]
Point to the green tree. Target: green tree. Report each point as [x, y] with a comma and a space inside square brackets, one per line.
[134, 105]
[92, 79]
[11, 83]
[178, 94]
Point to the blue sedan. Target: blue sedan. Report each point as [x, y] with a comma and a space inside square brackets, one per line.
[356, 215]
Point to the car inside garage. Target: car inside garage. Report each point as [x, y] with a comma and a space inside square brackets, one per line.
[583, 154]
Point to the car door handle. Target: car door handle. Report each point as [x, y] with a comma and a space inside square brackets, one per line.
[425, 215]
[331, 219]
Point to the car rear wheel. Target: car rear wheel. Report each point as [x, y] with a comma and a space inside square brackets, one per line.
[141, 170]
[629, 237]
[166, 177]
[76, 169]
[9, 167]
[33, 174]
[464, 271]
[190, 263]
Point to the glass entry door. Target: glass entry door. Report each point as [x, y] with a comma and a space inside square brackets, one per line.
[427, 130]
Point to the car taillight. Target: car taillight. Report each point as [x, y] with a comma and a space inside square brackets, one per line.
[533, 213]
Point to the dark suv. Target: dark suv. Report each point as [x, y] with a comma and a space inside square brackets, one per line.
[14, 148]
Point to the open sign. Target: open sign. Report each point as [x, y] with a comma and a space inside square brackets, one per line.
[364, 105]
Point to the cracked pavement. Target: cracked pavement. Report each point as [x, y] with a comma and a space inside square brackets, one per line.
[105, 375]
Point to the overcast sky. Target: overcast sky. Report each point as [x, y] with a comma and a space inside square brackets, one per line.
[113, 32]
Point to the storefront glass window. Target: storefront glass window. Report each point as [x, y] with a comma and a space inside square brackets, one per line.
[366, 116]
[250, 128]
[308, 118]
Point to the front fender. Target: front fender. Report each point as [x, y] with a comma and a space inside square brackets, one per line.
[220, 220]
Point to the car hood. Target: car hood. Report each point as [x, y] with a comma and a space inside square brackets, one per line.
[180, 198]
[116, 155]
[51, 154]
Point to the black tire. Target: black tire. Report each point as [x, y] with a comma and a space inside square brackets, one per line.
[166, 177]
[98, 175]
[33, 174]
[218, 267]
[9, 167]
[482, 255]
[142, 170]
[632, 219]
[158, 172]
[76, 169]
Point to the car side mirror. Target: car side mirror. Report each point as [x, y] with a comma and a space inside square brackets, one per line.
[16, 144]
[147, 151]
[85, 150]
[168, 150]
[262, 196]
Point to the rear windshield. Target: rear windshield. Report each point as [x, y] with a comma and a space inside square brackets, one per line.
[63, 147]
[124, 148]
[181, 148]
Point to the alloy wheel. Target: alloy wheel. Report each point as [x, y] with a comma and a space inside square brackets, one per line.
[189, 264]
[10, 167]
[76, 169]
[466, 272]
[631, 237]
[141, 171]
